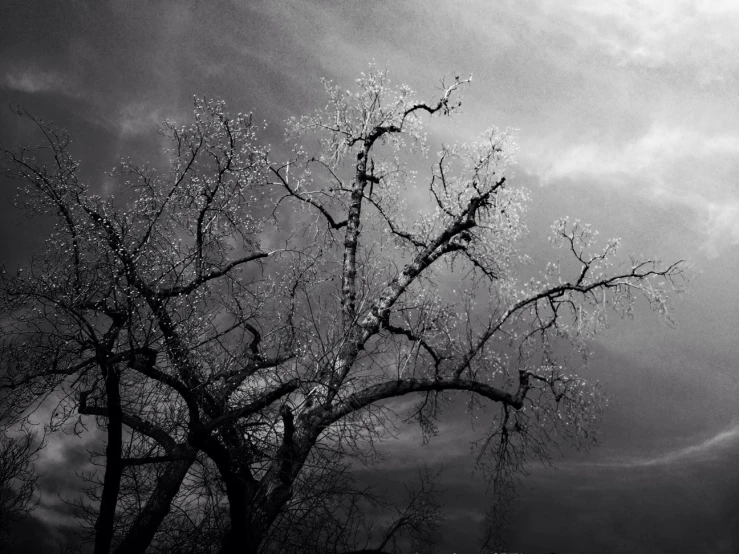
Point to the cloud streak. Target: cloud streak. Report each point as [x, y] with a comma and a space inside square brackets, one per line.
[707, 449]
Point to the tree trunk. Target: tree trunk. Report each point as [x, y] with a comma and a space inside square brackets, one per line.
[242, 537]
[253, 511]
[113, 465]
[157, 507]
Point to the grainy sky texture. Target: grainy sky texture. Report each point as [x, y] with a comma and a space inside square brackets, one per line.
[628, 117]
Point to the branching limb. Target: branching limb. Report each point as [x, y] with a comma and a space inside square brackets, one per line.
[401, 387]
[212, 275]
[292, 192]
[264, 400]
[130, 420]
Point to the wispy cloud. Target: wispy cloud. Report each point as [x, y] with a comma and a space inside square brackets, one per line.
[36, 80]
[138, 118]
[702, 451]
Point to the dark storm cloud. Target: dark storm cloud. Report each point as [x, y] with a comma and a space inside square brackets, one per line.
[62, 469]
[34, 536]
[683, 501]
[663, 480]
[679, 500]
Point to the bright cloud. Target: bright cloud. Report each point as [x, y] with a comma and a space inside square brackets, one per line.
[722, 226]
[657, 33]
[650, 157]
[668, 163]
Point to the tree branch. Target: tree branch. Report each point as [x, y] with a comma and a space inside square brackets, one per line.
[414, 338]
[260, 403]
[401, 387]
[329, 218]
[133, 421]
[187, 289]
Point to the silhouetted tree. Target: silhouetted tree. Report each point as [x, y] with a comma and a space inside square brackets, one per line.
[238, 325]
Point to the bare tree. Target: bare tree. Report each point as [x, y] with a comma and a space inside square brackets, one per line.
[17, 479]
[245, 319]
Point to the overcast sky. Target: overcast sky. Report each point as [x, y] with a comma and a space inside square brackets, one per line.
[628, 117]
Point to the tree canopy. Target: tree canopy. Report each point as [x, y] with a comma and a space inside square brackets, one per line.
[237, 323]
